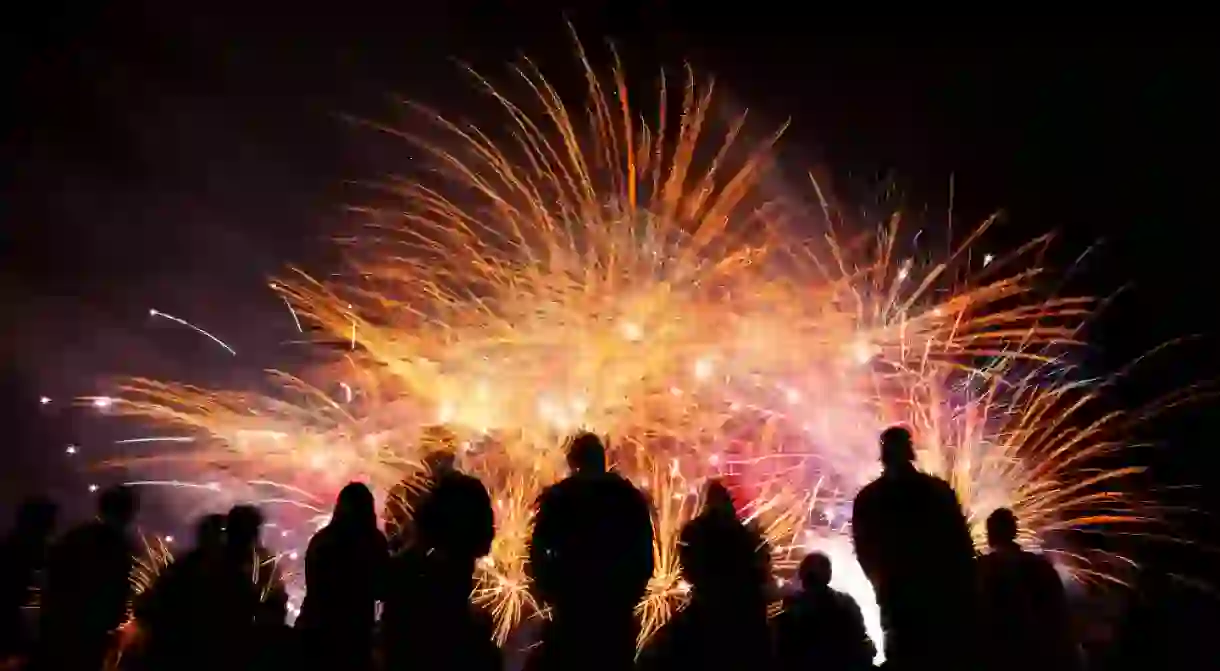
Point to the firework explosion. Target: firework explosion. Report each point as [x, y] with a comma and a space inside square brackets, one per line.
[583, 266]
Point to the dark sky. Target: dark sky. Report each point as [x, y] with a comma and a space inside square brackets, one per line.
[175, 157]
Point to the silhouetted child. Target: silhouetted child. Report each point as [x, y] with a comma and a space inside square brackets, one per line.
[821, 628]
[913, 542]
[87, 586]
[23, 558]
[591, 558]
[344, 569]
[724, 626]
[1025, 614]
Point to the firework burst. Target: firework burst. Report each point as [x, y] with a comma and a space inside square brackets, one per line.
[583, 266]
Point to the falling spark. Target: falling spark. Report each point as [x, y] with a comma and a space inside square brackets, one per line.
[181, 484]
[291, 310]
[157, 313]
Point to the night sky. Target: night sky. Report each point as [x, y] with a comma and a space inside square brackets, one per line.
[177, 157]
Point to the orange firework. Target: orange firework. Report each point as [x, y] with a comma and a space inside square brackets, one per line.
[583, 265]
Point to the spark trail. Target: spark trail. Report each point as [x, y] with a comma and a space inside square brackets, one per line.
[152, 312]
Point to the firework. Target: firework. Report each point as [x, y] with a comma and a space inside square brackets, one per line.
[152, 560]
[584, 266]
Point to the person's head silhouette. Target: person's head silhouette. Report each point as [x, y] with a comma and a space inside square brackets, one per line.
[243, 525]
[815, 571]
[1001, 529]
[355, 507]
[210, 531]
[440, 450]
[36, 518]
[439, 462]
[117, 506]
[897, 449]
[716, 498]
[586, 454]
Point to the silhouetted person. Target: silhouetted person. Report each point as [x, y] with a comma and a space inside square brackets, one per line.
[455, 523]
[344, 568]
[406, 585]
[820, 627]
[591, 557]
[439, 446]
[23, 558]
[87, 586]
[429, 621]
[1025, 614]
[724, 626]
[913, 542]
[209, 535]
[180, 613]
[251, 601]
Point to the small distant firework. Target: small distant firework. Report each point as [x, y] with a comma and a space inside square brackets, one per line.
[585, 267]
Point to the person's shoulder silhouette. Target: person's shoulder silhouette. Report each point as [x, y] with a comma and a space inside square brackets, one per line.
[820, 626]
[904, 509]
[725, 563]
[429, 622]
[240, 572]
[344, 558]
[913, 541]
[719, 551]
[87, 585]
[94, 554]
[1025, 609]
[343, 569]
[590, 558]
[188, 572]
[595, 520]
[178, 613]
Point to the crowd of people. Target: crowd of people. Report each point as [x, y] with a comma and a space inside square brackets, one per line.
[222, 605]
